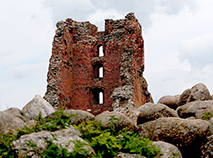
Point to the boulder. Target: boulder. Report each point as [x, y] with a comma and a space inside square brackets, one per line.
[184, 97]
[107, 118]
[167, 149]
[195, 108]
[197, 92]
[169, 101]
[187, 134]
[9, 123]
[37, 105]
[17, 112]
[63, 138]
[125, 155]
[211, 123]
[150, 111]
[207, 148]
[82, 116]
[131, 113]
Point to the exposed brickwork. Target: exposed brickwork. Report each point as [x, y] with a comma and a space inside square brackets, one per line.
[73, 77]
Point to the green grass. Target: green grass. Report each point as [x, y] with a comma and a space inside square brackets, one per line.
[106, 142]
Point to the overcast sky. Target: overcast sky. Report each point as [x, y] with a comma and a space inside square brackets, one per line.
[178, 39]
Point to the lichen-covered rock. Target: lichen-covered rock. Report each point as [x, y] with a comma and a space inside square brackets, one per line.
[17, 112]
[167, 149]
[37, 105]
[187, 134]
[195, 108]
[106, 118]
[207, 148]
[131, 113]
[197, 92]
[184, 97]
[169, 101]
[126, 155]
[64, 138]
[82, 116]
[150, 111]
[9, 123]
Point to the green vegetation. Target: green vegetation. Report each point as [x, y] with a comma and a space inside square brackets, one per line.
[106, 142]
[207, 115]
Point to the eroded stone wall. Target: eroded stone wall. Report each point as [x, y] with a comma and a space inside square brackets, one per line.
[74, 79]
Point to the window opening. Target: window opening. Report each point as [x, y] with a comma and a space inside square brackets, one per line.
[100, 72]
[100, 51]
[101, 97]
[98, 96]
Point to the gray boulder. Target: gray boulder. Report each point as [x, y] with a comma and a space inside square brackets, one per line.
[37, 105]
[106, 119]
[63, 138]
[131, 113]
[195, 109]
[197, 92]
[184, 97]
[82, 116]
[167, 149]
[150, 111]
[207, 148]
[9, 123]
[169, 101]
[17, 113]
[126, 155]
[187, 134]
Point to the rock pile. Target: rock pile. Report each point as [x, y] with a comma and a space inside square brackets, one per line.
[178, 133]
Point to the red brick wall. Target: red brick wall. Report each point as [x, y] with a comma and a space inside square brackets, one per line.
[72, 77]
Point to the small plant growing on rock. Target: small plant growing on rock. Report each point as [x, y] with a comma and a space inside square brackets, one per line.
[106, 142]
[207, 115]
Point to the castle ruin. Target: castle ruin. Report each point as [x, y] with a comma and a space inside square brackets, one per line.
[87, 66]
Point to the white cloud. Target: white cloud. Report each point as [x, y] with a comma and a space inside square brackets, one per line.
[177, 35]
[198, 51]
[98, 17]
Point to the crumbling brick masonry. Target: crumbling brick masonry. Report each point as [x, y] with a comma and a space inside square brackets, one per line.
[86, 65]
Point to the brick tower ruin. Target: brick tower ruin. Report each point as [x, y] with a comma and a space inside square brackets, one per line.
[87, 65]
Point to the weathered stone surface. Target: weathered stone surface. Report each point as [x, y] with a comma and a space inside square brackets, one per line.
[167, 149]
[106, 118]
[63, 138]
[211, 123]
[187, 134]
[74, 79]
[9, 123]
[207, 148]
[169, 101]
[195, 108]
[150, 111]
[184, 97]
[82, 116]
[17, 112]
[197, 92]
[37, 105]
[126, 155]
[131, 113]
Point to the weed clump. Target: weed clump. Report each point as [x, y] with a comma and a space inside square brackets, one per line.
[106, 142]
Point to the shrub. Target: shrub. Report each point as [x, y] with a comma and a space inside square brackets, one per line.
[106, 142]
[207, 115]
